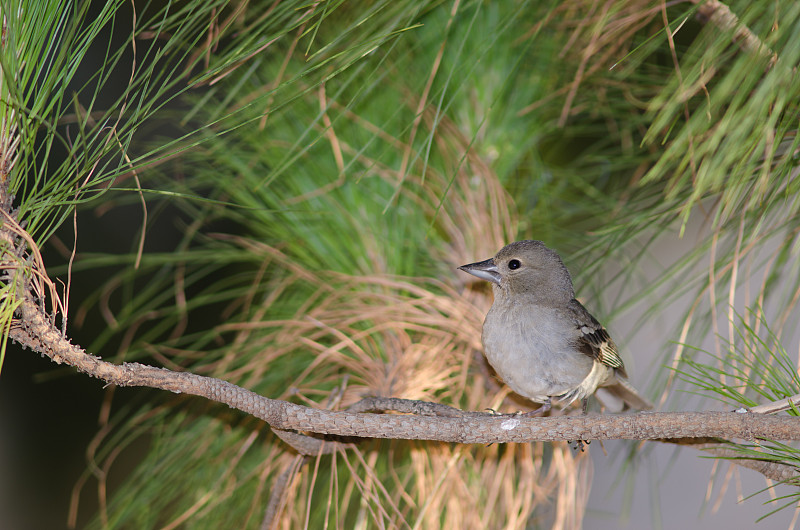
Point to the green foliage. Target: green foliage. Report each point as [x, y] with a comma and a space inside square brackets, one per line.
[755, 369]
[739, 111]
[333, 162]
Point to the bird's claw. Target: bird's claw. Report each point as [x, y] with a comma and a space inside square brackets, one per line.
[541, 411]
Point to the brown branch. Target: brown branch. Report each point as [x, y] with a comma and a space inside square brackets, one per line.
[40, 335]
[426, 421]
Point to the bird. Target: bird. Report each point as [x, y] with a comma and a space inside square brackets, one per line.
[539, 339]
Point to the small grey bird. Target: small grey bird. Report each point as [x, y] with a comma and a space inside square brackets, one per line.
[541, 341]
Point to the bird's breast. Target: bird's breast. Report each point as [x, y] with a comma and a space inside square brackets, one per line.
[532, 350]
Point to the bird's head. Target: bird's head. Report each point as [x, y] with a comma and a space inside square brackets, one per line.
[526, 268]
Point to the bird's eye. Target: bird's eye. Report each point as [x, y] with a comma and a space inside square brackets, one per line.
[514, 264]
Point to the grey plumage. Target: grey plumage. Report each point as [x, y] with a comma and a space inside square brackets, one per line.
[538, 338]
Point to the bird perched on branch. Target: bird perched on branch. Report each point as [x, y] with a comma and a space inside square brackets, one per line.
[539, 339]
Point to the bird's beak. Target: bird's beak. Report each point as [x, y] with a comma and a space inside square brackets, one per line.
[485, 270]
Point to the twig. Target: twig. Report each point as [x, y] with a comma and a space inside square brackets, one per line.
[716, 446]
[720, 15]
[777, 406]
[277, 497]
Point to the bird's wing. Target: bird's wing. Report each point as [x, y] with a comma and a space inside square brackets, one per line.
[594, 340]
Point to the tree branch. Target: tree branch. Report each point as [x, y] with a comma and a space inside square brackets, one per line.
[33, 328]
[40, 335]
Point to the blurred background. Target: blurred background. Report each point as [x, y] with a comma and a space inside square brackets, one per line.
[279, 193]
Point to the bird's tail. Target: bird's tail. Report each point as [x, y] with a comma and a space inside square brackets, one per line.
[622, 389]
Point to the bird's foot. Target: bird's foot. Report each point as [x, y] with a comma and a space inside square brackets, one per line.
[493, 412]
[541, 411]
